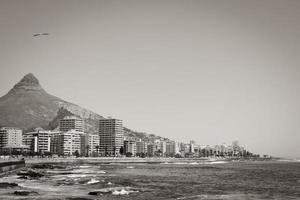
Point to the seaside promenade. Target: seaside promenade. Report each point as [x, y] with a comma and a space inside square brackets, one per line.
[128, 160]
[118, 160]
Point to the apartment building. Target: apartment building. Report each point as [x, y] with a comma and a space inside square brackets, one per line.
[71, 123]
[39, 140]
[130, 147]
[111, 136]
[10, 137]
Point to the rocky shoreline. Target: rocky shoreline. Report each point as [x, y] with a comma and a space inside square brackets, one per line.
[130, 178]
[73, 173]
[104, 160]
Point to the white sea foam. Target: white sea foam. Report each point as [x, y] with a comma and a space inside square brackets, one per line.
[175, 163]
[286, 160]
[81, 171]
[76, 175]
[217, 197]
[87, 171]
[123, 191]
[85, 166]
[212, 161]
[93, 181]
[218, 162]
[101, 172]
[39, 187]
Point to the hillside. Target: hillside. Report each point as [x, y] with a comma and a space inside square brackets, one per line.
[27, 106]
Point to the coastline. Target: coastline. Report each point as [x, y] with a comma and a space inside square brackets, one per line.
[33, 161]
[157, 160]
[150, 178]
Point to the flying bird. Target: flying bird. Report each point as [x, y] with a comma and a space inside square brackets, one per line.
[40, 34]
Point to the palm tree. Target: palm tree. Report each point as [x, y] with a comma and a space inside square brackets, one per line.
[105, 152]
[97, 148]
[114, 151]
[87, 150]
[121, 151]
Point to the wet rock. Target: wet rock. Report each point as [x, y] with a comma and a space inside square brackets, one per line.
[47, 166]
[88, 181]
[22, 177]
[60, 172]
[83, 180]
[25, 193]
[30, 173]
[66, 182]
[100, 192]
[94, 193]
[42, 166]
[114, 191]
[6, 185]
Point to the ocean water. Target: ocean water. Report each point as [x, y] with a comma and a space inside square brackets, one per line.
[191, 181]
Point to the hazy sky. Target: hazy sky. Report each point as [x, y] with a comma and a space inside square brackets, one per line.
[212, 71]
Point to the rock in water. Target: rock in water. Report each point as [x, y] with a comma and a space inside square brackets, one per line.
[94, 193]
[6, 185]
[114, 191]
[93, 181]
[30, 173]
[25, 193]
[77, 198]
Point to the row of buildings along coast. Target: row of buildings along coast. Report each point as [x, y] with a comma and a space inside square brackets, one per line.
[71, 140]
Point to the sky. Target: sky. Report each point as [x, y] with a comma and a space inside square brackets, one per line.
[207, 70]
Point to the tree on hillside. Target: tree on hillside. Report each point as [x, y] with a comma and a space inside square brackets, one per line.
[61, 113]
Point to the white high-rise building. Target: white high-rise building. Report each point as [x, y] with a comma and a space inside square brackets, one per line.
[10, 137]
[150, 149]
[141, 147]
[192, 146]
[94, 142]
[72, 137]
[89, 144]
[111, 135]
[68, 143]
[130, 147]
[71, 123]
[163, 147]
[172, 148]
[39, 140]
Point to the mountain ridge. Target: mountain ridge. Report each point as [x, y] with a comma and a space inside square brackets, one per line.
[28, 106]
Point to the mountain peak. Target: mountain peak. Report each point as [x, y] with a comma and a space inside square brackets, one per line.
[30, 78]
[28, 82]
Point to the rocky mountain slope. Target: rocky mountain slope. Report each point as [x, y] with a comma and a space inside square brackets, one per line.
[27, 106]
